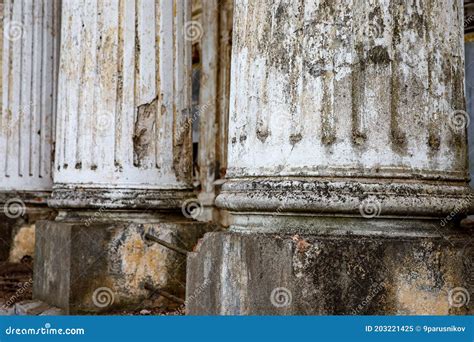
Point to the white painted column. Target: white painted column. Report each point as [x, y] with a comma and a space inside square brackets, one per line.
[346, 109]
[123, 130]
[29, 40]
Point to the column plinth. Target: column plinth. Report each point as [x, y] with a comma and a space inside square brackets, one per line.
[347, 149]
[296, 204]
[123, 158]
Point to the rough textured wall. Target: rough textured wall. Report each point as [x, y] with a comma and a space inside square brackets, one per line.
[124, 94]
[354, 88]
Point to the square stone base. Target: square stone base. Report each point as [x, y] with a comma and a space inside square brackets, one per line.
[106, 266]
[259, 274]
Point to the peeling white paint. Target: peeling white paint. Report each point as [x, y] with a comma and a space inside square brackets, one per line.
[117, 57]
[29, 38]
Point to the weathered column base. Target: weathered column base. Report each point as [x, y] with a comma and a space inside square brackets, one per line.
[98, 265]
[312, 206]
[268, 274]
[19, 211]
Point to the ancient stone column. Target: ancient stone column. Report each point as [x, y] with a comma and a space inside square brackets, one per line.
[29, 43]
[123, 156]
[123, 132]
[347, 147]
[216, 26]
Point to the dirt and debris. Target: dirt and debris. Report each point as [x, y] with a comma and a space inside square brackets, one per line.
[16, 281]
[148, 312]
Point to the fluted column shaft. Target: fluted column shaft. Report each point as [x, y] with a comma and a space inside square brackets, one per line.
[28, 85]
[123, 111]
